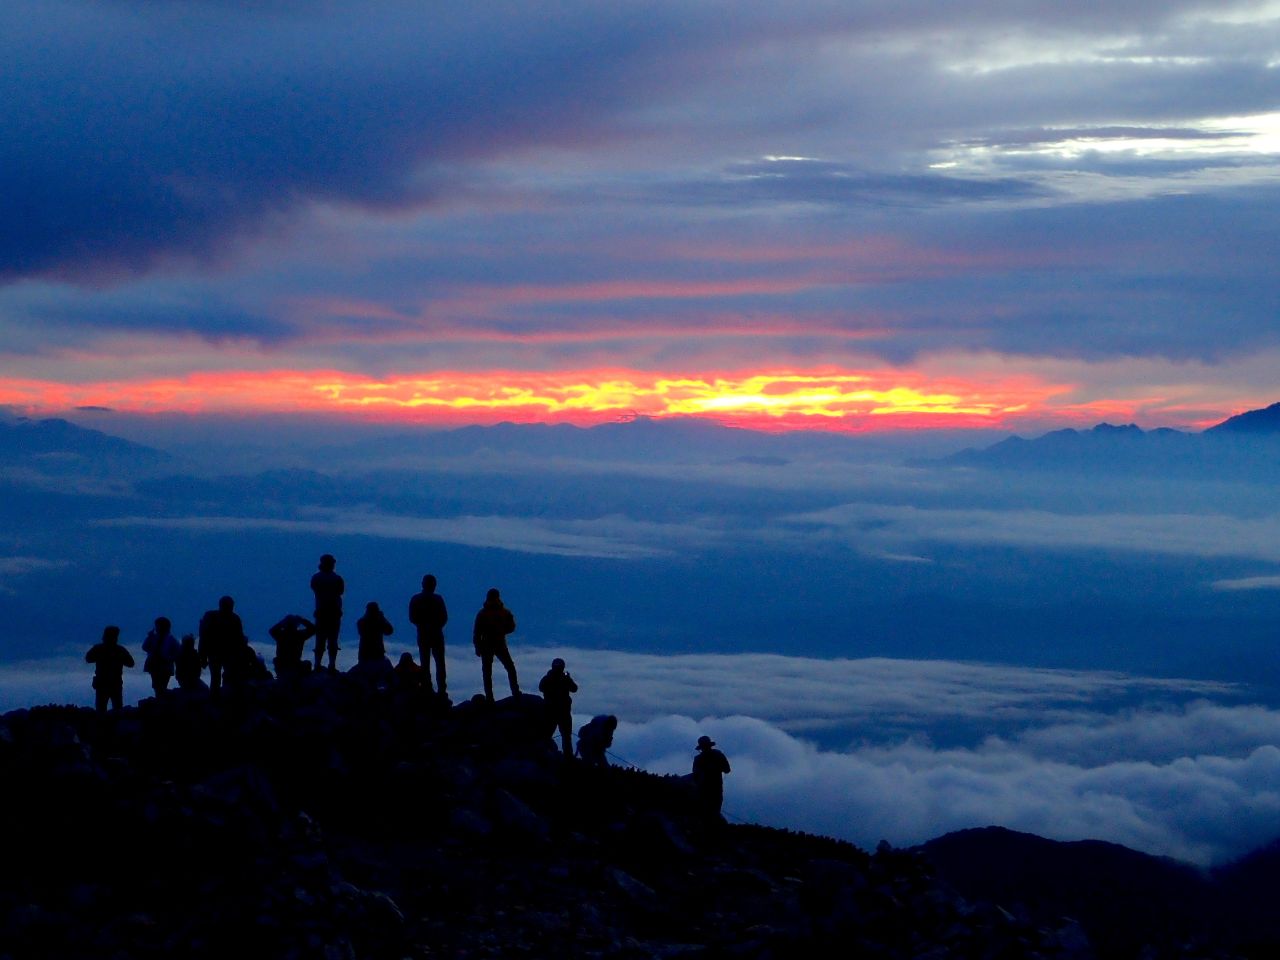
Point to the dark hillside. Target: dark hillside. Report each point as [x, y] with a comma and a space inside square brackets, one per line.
[323, 819]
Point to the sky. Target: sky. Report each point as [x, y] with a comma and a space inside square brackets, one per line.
[860, 217]
[278, 240]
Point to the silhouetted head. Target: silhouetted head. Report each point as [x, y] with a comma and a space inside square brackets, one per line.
[611, 722]
[493, 596]
[406, 660]
[163, 626]
[111, 636]
[188, 641]
[327, 562]
[429, 582]
[370, 607]
[705, 743]
[226, 604]
[557, 665]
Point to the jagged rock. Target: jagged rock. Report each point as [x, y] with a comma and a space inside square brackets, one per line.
[515, 816]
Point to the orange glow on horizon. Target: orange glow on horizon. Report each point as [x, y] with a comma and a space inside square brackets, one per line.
[785, 400]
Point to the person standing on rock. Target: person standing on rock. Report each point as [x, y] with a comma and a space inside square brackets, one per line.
[556, 688]
[427, 612]
[709, 768]
[328, 587]
[109, 660]
[493, 624]
[223, 643]
[161, 648]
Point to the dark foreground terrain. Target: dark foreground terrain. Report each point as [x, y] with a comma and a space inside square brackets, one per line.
[322, 819]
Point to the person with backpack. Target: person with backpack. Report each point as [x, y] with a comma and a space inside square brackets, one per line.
[291, 634]
[427, 612]
[595, 737]
[493, 624]
[223, 643]
[161, 648]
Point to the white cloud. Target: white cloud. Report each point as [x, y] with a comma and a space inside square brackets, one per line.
[1202, 809]
[1249, 583]
[1179, 534]
[611, 537]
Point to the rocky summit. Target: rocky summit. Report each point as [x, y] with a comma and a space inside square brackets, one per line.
[325, 818]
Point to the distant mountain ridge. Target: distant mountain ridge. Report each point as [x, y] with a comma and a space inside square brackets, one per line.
[1264, 421]
[1241, 446]
[55, 445]
[1123, 898]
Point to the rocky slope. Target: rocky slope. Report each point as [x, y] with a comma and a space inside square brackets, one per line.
[325, 819]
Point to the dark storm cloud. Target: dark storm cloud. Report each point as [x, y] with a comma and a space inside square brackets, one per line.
[138, 132]
[135, 131]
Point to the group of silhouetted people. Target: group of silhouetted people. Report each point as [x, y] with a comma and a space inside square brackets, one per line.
[223, 648]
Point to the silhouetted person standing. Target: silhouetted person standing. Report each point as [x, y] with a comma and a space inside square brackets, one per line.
[291, 635]
[493, 623]
[189, 665]
[223, 643]
[556, 688]
[709, 768]
[427, 612]
[372, 628]
[109, 660]
[595, 737]
[328, 588]
[161, 648]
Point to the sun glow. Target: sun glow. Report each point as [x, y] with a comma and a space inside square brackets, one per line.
[845, 400]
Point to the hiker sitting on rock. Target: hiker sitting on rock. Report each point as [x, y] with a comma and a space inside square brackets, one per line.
[373, 627]
[291, 635]
[556, 688]
[709, 768]
[594, 738]
[493, 623]
[189, 665]
[109, 660]
[161, 648]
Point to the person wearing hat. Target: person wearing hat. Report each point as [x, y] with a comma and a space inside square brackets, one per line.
[556, 688]
[709, 768]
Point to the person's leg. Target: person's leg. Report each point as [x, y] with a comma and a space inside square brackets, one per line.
[215, 675]
[566, 734]
[424, 650]
[504, 656]
[437, 653]
[486, 672]
[100, 698]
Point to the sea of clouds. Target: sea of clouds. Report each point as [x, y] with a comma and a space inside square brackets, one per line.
[907, 750]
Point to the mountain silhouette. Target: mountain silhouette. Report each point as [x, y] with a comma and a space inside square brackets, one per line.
[324, 818]
[1264, 422]
[59, 446]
